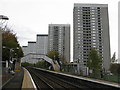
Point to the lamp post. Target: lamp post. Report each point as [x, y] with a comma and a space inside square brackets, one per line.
[3, 19]
[10, 57]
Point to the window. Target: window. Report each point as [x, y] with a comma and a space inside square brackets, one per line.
[92, 20]
[94, 43]
[93, 23]
[93, 15]
[98, 7]
[94, 40]
[93, 35]
[99, 31]
[93, 31]
[92, 10]
[94, 46]
[78, 28]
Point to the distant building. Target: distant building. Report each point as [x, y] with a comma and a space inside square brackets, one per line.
[59, 40]
[38, 47]
[42, 44]
[31, 47]
[91, 30]
[25, 50]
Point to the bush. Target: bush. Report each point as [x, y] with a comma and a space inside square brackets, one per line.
[25, 64]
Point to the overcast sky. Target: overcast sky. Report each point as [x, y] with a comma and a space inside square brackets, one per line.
[30, 17]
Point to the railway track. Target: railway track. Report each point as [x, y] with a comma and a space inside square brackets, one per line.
[44, 80]
[57, 81]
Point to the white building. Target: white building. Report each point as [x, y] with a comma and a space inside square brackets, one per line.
[42, 44]
[38, 47]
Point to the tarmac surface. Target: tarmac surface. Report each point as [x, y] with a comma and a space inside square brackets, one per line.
[15, 83]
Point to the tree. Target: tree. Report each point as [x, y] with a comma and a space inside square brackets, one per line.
[9, 41]
[115, 68]
[94, 63]
[43, 64]
[54, 55]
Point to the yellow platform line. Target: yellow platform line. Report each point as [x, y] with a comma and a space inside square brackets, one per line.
[27, 81]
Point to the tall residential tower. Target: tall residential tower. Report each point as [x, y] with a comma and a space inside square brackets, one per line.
[59, 40]
[91, 30]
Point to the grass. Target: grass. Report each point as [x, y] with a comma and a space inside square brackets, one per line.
[112, 78]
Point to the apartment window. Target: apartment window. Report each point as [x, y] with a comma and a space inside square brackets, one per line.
[92, 10]
[94, 40]
[99, 26]
[94, 37]
[99, 23]
[92, 20]
[84, 52]
[93, 31]
[98, 15]
[98, 7]
[55, 27]
[98, 20]
[93, 7]
[92, 23]
[99, 31]
[94, 43]
[78, 28]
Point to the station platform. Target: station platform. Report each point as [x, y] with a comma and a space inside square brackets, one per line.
[28, 81]
[15, 81]
[21, 80]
